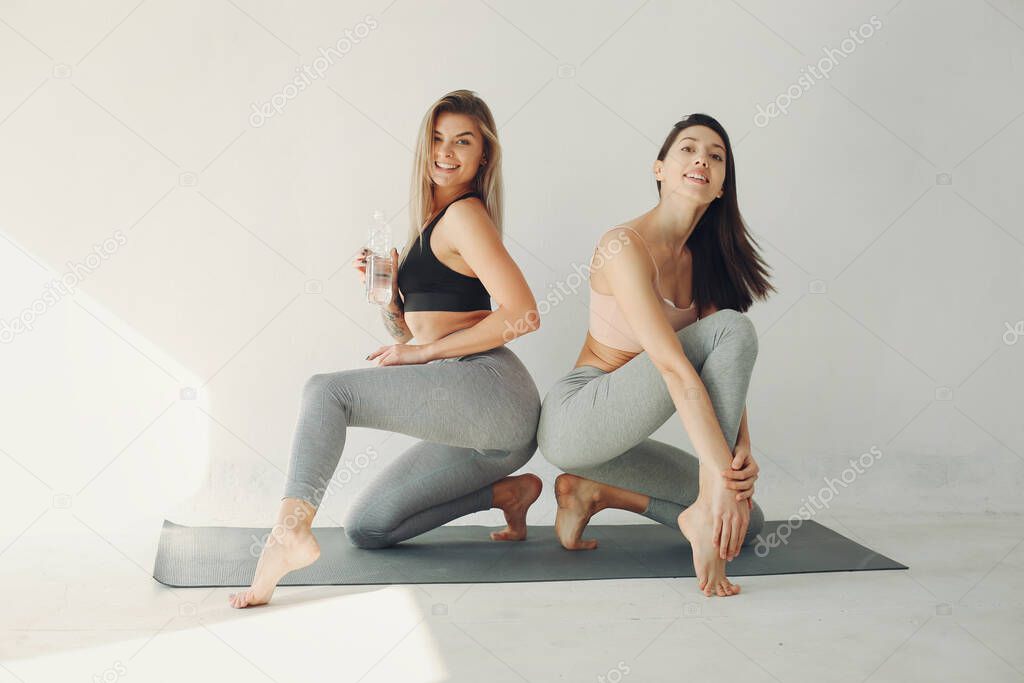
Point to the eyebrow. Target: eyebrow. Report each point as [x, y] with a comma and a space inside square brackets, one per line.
[713, 144]
[437, 132]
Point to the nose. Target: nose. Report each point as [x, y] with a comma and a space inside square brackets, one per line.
[445, 149]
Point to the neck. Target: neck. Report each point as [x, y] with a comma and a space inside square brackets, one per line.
[443, 195]
[672, 222]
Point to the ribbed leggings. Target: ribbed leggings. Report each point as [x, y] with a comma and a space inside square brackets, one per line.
[477, 415]
[597, 424]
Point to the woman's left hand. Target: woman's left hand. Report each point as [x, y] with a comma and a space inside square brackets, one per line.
[742, 474]
[400, 354]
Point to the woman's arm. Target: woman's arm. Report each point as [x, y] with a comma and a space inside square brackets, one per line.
[394, 320]
[629, 273]
[743, 436]
[744, 471]
[393, 313]
[475, 238]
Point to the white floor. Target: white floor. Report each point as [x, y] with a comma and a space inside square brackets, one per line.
[78, 605]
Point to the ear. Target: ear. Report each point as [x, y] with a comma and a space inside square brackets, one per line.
[658, 168]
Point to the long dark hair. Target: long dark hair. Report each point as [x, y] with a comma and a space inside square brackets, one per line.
[727, 269]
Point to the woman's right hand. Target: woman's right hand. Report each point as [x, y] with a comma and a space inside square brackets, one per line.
[731, 519]
[359, 263]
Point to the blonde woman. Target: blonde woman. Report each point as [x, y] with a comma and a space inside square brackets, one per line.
[460, 389]
[646, 358]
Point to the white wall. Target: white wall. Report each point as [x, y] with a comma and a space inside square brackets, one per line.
[895, 286]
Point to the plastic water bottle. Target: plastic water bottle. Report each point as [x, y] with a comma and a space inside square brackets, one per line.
[378, 262]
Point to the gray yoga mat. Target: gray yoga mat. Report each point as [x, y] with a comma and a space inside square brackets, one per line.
[226, 556]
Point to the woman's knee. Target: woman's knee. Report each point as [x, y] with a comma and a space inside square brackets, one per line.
[314, 388]
[316, 383]
[363, 533]
[736, 326]
[370, 539]
[321, 387]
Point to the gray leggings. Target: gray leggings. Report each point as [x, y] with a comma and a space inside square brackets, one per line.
[596, 424]
[477, 414]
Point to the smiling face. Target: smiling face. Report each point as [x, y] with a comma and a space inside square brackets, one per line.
[694, 165]
[458, 150]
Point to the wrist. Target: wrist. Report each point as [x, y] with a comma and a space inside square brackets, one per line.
[428, 351]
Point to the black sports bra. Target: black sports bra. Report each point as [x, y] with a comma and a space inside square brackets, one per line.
[429, 285]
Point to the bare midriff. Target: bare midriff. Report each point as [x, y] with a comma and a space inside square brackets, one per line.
[429, 326]
[603, 356]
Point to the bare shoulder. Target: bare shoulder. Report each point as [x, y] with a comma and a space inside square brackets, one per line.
[469, 206]
[468, 213]
[619, 240]
[615, 238]
[466, 219]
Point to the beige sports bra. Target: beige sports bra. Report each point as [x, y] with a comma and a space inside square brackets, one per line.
[608, 325]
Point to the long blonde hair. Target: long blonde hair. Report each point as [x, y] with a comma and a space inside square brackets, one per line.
[488, 178]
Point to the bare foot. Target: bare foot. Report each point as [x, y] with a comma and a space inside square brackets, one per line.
[515, 495]
[696, 524]
[578, 501]
[285, 551]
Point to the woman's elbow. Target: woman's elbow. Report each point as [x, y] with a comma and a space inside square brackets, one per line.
[532, 318]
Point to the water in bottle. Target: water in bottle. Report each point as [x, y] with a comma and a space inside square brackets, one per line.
[378, 262]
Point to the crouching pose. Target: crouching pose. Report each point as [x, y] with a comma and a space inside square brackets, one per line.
[645, 359]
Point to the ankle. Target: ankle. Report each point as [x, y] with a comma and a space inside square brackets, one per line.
[709, 479]
[584, 490]
[502, 494]
[295, 514]
[596, 496]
